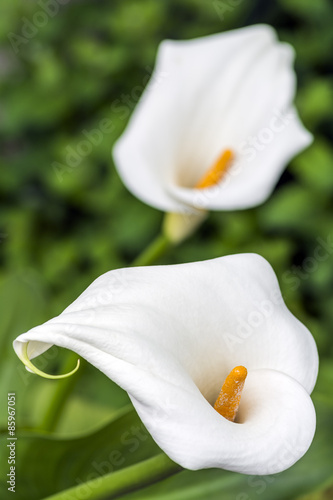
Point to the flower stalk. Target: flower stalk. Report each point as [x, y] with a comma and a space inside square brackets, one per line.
[123, 481]
[153, 252]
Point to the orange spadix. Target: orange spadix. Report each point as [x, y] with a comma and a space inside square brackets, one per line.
[218, 169]
[228, 400]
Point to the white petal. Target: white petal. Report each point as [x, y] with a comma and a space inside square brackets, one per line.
[206, 95]
[169, 333]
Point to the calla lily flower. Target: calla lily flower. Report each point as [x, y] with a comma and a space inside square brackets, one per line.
[216, 125]
[170, 335]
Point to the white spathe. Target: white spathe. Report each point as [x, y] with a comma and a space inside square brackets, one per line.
[169, 335]
[233, 91]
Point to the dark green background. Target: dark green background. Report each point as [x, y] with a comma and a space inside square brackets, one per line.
[61, 227]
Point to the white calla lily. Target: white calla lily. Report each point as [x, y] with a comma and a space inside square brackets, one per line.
[169, 335]
[225, 93]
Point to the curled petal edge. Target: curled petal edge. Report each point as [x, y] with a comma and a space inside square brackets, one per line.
[32, 368]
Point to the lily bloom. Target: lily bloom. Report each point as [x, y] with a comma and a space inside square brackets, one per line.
[172, 336]
[216, 125]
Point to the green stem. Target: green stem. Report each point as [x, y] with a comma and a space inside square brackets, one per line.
[118, 483]
[153, 252]
[60, 394]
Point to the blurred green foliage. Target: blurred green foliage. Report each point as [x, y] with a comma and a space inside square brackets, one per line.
[63, 225]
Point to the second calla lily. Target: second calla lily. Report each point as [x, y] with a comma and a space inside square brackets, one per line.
[216, 126]
[170, 335]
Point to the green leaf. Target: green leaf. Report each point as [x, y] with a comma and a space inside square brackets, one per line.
[325, 493]
[307, 8]
[21, 307]
[293, 207]
[315, 167]
[46, 464]
[314, 101]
